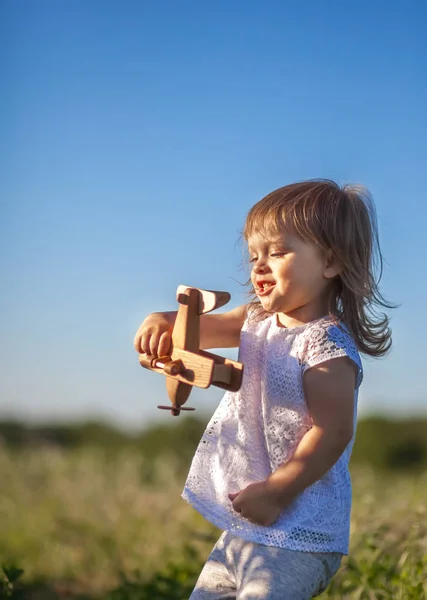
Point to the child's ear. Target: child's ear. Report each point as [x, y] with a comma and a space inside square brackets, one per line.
[332, 266]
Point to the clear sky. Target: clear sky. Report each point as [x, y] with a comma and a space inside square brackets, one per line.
[134, 138]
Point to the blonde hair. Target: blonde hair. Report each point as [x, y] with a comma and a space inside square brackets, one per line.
[341, 221]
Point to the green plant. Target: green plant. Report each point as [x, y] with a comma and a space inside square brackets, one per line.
[9, 575]
[173, 582]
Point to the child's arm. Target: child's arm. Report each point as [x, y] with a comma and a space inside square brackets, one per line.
[329, 390]
[216, 331]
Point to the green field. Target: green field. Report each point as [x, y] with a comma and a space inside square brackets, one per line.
[87, 522]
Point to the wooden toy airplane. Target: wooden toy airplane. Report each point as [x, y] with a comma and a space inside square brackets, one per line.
[187, 364]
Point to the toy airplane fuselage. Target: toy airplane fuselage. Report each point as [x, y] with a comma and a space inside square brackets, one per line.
[187, 365]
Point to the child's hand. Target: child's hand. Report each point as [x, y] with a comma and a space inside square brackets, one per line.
[257, 503]
[154, 335]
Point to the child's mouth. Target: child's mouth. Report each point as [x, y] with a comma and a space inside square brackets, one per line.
[264, 288]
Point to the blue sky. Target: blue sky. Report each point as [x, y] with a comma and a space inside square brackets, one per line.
[135, 137]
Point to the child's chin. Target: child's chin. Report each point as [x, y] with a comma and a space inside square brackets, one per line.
[268, 305]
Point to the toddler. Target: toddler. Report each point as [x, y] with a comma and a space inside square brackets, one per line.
[271, 469]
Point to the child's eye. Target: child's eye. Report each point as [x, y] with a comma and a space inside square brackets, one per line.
[252, 259]
[277, 254]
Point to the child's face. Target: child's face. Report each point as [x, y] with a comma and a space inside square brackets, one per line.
[290, 277]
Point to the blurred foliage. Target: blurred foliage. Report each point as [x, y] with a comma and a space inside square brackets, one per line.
[87, 523]
[388, 444]
[380, 442]
[175, 581]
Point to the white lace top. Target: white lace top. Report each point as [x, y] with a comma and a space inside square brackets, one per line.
[256, 430]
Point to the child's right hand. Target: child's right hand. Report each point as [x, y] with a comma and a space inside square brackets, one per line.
[154, 335]
[221, 330]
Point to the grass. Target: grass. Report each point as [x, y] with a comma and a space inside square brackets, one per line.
[85, 524]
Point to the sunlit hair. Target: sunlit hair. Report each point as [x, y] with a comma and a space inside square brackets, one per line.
[341, 221]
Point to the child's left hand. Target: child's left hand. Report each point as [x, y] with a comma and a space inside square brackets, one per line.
[257, 503]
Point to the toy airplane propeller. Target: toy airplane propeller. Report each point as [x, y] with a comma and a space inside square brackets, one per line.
[188, 365]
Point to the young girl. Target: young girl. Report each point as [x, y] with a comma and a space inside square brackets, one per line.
[271, 469]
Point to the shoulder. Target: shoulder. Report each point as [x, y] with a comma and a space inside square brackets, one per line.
[325, 340]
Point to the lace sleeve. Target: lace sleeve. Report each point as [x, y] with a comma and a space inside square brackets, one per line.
[327, 342]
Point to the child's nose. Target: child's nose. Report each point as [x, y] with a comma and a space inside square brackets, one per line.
[260, 266]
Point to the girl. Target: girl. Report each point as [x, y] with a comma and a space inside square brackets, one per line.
[271, 469]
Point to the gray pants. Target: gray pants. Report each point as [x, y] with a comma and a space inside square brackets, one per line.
[240, 570]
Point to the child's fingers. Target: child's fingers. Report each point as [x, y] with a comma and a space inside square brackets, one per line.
[147, 344]
[154, 343]
[164, 344]
[142, 341]
[144, 345]
[137, 341]
[235, 502]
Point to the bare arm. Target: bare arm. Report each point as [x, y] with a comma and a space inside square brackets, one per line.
[329, 391]
[216, 331]
[222, 330]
